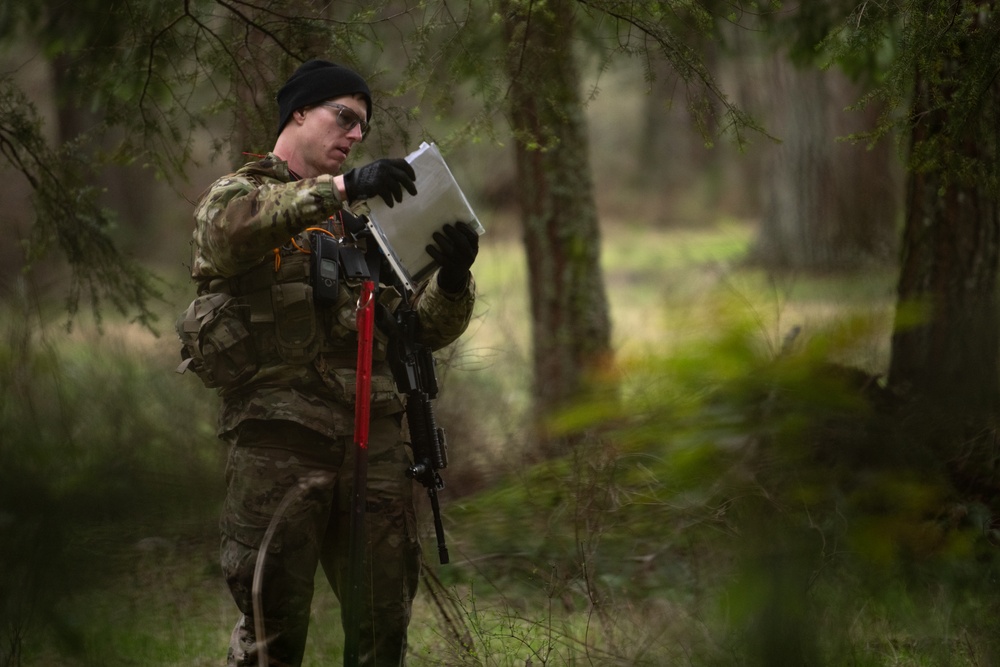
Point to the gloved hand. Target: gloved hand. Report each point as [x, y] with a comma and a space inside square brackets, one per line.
[456, 250]
[385, 178]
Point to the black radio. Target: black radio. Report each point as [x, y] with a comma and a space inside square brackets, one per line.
[326, 268]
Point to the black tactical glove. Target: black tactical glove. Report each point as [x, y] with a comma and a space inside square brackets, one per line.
[385, 178]
[456, 250]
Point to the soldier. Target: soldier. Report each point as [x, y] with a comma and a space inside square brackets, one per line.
[285, 364]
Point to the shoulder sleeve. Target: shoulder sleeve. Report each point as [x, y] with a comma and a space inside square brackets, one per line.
[240, 219]
[444, 317]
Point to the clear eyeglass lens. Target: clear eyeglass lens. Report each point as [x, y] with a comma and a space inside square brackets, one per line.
[347, 119]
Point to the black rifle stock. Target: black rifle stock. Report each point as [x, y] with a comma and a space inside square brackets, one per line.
[414, 372]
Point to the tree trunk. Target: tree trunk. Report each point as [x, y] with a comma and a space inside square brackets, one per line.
[826, 204]
[571, 327]
[132, 193]
[946, 341]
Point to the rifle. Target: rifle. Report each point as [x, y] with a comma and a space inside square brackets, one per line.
[413, 369]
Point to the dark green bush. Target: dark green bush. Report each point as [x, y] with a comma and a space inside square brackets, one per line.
[777, 498]
[101, 446]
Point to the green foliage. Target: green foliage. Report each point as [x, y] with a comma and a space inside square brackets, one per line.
[149, 76]
[94, 459]
[679, 34]
[767, 491]
[949, 46]
[69, 216]
[950, 49]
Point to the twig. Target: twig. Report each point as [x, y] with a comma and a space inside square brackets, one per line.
[305, 484]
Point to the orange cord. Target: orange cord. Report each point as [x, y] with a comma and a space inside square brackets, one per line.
[277, 251]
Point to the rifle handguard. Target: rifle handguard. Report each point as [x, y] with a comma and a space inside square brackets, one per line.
[413, 368]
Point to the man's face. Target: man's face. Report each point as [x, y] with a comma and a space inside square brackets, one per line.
[328, 132]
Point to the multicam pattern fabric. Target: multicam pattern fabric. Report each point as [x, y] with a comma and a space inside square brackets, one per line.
[244, 215]
[240, 220]
[313, 530]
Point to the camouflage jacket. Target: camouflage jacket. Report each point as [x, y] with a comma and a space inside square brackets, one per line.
[247, 221]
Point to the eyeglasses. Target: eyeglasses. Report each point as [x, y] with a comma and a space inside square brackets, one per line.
[348, 118]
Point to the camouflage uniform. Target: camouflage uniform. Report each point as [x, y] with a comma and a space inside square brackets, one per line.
[292, 419]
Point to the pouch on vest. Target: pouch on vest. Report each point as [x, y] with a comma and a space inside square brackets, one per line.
[215, 341]
[295, 328]
[343, 382]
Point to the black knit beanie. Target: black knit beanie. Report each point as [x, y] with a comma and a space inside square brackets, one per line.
[315, 81]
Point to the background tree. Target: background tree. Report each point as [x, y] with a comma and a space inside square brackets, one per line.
[139, 85]
[937, 62]
[569, 312]
[570, 318]
[827, 203]
[933, 70]
[946, 345]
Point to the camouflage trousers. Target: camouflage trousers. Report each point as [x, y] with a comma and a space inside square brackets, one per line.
[280, 467]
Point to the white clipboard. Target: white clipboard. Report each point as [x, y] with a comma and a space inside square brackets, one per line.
[404, 230]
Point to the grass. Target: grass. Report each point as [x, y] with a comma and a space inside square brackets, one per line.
[166, 605]
[667, 540]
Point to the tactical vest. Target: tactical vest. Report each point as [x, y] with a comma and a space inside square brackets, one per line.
[279, 308]
[268, 314]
